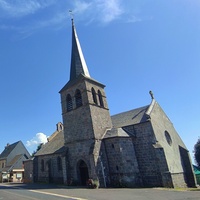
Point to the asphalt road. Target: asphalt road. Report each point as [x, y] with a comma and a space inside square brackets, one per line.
[53, 192]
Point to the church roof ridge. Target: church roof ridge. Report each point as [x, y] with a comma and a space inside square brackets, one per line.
[130, 117]
[55, 145]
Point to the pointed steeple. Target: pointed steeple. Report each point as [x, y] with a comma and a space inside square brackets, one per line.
[78, 64]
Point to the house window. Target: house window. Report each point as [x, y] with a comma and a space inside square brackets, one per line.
[78, 98]
[69, 102]
[100, 98]
[42, 165]
[59, 163]
[19, 175]
[94, 96]
[3, 165]
[168, 138]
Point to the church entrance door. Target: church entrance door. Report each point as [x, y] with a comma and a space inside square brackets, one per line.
[83, 172]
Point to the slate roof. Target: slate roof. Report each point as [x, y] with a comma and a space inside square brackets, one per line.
[15, 159]
[8, 150]
[78, 64]
[55, 145]
[11, 164]
[116, 132]
[80, 77]
[131, 117]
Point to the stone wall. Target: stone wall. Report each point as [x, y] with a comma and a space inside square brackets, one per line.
[87, 151]
[76, 152]
[175, 151]
[28, 171]
[146, 156]
[84, 128]
[163, 167]
[89, 120]
[123, 166]
[50, 172]
[178, 180]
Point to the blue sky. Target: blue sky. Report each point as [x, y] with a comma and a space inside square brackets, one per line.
[130, 46]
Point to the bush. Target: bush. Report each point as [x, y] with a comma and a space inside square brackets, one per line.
[93, 183]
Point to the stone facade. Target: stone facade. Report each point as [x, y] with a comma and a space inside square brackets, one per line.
[84, 144]
[137, 148]
[123, 164]
[49, 169]
[28, 171]
[49, 163]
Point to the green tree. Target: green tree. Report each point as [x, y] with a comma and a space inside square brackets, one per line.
[197, 152]
[38, 148]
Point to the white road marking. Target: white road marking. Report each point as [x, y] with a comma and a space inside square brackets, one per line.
[4, 185]
[58, 195]
[19, 195]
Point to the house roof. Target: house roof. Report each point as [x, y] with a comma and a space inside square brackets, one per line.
[131, 117]
[14, 160]
[8, 149]
[196, 170]
[11, 164]
[54, 145]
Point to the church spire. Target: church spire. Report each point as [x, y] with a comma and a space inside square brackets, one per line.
[78, 64]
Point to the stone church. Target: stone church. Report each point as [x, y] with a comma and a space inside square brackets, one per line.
[137, 148]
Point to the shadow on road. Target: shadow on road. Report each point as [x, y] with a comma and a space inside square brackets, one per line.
[35, 186]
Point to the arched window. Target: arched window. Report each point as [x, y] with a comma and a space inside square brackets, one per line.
[59, 163]
[100, 98]
[69, 102]
[42, 165]
[78, 98]
[94, 96]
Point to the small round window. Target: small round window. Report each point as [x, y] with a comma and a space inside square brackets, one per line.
[168, 138]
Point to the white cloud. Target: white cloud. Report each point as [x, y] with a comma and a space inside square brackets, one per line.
[100, 10]
[56, 16]
[81, 6]
[38, 139]
[16, 8]
[57, 19]
[110, 10]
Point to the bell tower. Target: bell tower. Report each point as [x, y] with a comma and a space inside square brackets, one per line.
[86, 116]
